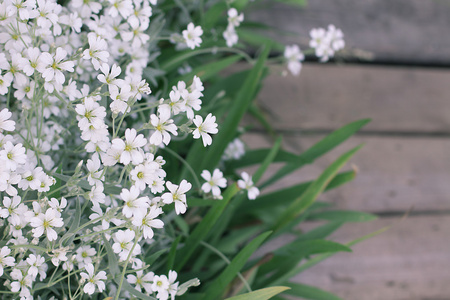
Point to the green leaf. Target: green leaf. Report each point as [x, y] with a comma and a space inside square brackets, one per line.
[172, 253]
[309, 292]
[68, 237]
[262, 294]
[113, 263]
[206, 71]
[154, 257]
[199, 202]
[287, 258]
[256, 39]
[320, 232]
[314, 190]
[315, 260]
[282, 198]
[253, 157]
[299, 3]
[319, 149]
[218, 286]
[213, 15]
[54, 189]
[343, 216]
[141, 296]
[202, 230]
[267, 161]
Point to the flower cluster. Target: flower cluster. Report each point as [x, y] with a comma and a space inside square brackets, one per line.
[324, 42]
[234, 20]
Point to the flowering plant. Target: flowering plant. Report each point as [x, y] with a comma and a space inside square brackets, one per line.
[106, 190]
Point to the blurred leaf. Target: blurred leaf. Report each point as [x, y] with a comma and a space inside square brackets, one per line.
[199, 202]
[267, 161]
[68, 237]
[309, 292]
[213, 15]
[172, 253]
[253, 157]
[256, 39]
[343, 216]
[283, 197]
[320, 232]
[205, 71]
[113, 263]
[299, 3]
[315, 260]
[319, 149]
[150, 260]
[262, 294]
[218, 286]
[314, 190]
[202, 230]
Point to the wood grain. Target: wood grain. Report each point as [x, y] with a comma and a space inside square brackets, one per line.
[327, 97]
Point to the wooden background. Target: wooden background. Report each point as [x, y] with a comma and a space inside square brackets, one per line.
[406, 160]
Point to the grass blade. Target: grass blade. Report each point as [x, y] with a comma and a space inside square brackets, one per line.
[262, 294]
[219, 285]
[314, 190]
[309, 292]
[319, 149]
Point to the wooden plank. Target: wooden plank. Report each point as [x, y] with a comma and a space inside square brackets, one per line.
[408, 262]
[328, 97]
[399, 31]
[395, 174]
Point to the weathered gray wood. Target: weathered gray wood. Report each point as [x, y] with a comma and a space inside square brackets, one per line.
[328, 97]
[408, 262]
[395, 174]
[400, 30]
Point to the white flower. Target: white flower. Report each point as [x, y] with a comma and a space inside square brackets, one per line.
[56, 65]
[45, 223]
[148, 221]
[177, 195]
[161, 286]
[109, 76]
[230, 36]
[173, 286]
[22, 283]
[131, 147]
[97, 50]
[33, 61]
[192, 35]
[142, 281]
[336, 38]
[205, 127]
[234, 18]
[134, 205]
[5, 260]
[123, 242]
[6, 124]
[163, 125]
[37, 266]
[12, 156]
[14, 209]
[84, 254]
[90, 113]
[95, 175]
[93, 280]
[32, 179]
[213, 183]
[175, 106]
[294, 57]
[247, 183]
[234, 150]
